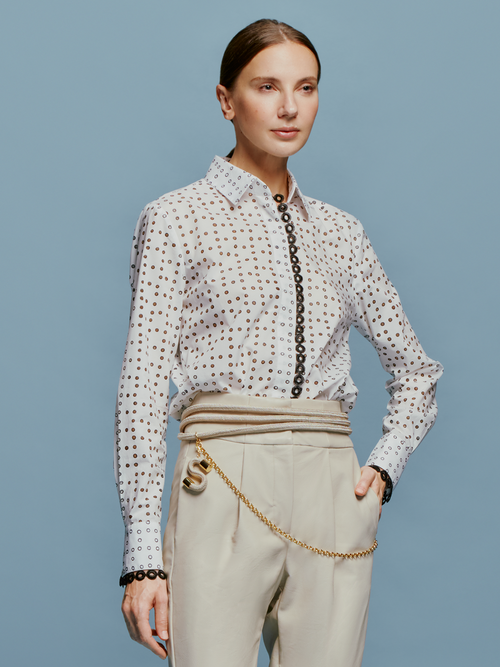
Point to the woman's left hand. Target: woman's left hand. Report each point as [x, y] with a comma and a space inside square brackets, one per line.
[370, 477]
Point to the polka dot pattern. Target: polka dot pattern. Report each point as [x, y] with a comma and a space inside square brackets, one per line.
[213, 308]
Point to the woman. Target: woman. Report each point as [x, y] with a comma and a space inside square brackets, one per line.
[244, 291]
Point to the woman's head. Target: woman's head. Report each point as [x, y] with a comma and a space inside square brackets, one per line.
[269, 90]
[252, 40]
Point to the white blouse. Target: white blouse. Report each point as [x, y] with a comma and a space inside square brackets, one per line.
[213, 308]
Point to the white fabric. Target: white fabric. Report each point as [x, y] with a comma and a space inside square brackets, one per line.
[213, 308]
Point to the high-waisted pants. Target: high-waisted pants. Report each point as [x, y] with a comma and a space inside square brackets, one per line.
[232, 579]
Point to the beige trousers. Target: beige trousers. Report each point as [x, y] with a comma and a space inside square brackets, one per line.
[232, 579]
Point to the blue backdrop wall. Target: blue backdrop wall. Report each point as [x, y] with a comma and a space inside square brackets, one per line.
[107, 105]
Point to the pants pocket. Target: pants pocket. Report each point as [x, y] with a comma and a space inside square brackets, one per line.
[356, 518]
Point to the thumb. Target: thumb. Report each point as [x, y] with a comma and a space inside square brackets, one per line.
[367, 477]
[361, 488]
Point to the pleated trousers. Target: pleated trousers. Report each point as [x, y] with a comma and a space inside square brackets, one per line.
[231, 579]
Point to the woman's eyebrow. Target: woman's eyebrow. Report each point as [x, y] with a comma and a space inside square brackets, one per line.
[273, 79]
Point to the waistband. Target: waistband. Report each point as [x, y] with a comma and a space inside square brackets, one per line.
[239, 414]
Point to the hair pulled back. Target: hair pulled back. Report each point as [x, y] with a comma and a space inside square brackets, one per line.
[252, 40]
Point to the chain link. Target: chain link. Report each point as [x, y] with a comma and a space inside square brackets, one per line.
[322, 552]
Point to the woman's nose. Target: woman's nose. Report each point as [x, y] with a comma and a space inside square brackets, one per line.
[288, 108]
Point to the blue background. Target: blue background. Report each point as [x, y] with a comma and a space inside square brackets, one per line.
[107, 105]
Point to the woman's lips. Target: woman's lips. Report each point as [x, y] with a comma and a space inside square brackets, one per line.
[286, 132]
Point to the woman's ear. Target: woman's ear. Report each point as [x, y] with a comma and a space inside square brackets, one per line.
[224, 97]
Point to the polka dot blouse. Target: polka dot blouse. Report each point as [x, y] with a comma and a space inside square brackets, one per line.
[214, 309]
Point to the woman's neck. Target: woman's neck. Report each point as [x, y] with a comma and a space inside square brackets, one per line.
[270, 169]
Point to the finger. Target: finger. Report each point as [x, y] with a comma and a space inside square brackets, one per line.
[145, 637]
[129, 617]
[163, 648]
[136, 615]
[133, 618]
[161, 615]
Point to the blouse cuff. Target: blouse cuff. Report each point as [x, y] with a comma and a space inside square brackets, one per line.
[142, 547]
[391, 453]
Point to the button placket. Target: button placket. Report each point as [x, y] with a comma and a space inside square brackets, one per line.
[284, 330]
[300, 350]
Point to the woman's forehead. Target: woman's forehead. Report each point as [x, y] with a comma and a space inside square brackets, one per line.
[287, 59]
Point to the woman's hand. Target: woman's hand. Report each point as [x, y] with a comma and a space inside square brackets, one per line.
[370, 477]
[140, 597]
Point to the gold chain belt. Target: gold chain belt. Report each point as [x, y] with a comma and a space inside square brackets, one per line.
[207, 463]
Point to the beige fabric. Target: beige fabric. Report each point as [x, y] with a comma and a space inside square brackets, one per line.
[235, 415]
[231, 578]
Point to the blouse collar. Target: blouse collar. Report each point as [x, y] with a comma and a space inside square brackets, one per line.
[233, 183]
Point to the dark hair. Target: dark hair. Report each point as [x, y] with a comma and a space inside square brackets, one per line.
[252, 40]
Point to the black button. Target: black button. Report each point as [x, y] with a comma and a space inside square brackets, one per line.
[296, 391]
[299, 290]
[293, 249]
[299, 319]
[301, 358]
[300, 368]
[298, 278]
[282, 208]
[299, 329]
[299, 379]
[300, 349]
[278, 198]
[295, 266]
[292, 238]
[299, 338]
[289, 227]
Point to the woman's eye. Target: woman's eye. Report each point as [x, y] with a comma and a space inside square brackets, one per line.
[267, 86]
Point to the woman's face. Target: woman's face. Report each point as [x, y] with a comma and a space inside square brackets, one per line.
[274, 101]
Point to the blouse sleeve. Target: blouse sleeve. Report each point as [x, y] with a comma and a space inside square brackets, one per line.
[380, 318]
[157, 279]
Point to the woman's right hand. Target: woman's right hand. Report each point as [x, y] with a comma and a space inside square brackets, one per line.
[139, 598]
